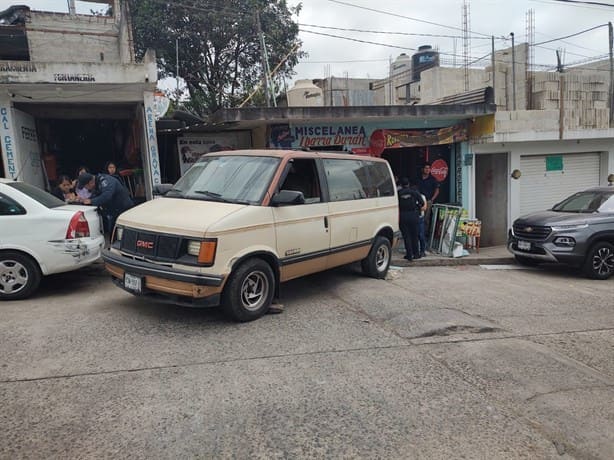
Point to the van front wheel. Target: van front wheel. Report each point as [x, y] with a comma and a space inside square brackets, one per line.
[377, 262]
[249, 292]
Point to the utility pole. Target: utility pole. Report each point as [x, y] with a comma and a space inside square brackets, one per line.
[513, 73]
[611, 91]
[268, 84]
[494, 69]
[177, 70]
[559, 69]
[72, 10]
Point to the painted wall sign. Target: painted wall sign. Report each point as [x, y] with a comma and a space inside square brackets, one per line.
[17, 67]
[73, 77]
[152, 142]
[7, 142]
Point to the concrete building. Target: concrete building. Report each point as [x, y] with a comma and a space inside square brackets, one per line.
[72, 93]
[554, 128]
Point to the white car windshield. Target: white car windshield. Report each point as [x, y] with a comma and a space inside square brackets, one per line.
[228, 178]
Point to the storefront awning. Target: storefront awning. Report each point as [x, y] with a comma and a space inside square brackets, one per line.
[383, 139]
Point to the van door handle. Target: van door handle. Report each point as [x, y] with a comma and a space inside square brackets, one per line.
[326, 222]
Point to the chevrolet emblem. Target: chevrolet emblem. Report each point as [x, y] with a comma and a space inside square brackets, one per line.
[528, 229]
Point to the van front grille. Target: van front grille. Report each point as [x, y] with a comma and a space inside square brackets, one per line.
[151, 245]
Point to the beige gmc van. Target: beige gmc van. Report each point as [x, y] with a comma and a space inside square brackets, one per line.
[239, 223]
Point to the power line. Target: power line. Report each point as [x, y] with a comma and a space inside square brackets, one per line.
[390, 33]
[404, 17]
[571, 35]
[583, 2]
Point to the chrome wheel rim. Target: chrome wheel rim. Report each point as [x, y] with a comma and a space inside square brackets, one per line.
[603, 262]
[13, 277]
[382, 256]
[254, 290]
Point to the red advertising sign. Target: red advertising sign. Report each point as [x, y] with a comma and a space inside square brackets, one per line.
[439, 170]
[382, 139]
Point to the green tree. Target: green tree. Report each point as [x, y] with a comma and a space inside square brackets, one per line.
[219, 47]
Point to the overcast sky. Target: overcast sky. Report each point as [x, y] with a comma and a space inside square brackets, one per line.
[339, 57]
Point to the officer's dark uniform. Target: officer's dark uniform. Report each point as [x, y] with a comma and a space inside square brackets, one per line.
[410, 203]
[112, 197]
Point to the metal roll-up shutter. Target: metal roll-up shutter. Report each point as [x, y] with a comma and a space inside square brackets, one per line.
[541, 189]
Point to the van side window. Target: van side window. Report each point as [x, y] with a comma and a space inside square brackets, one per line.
[303, 177]
[380, 179]
[347, 180]
[9, 207]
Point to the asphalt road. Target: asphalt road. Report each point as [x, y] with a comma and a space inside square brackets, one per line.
[435, 362]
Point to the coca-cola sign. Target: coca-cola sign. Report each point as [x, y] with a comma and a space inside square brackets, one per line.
[439, 170]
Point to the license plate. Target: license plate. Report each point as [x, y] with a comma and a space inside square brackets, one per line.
[524, 245]
[133, 283]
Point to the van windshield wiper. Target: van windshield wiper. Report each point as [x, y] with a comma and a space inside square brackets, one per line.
[213, 195]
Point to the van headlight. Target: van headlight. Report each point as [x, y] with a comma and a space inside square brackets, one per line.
[119, 233]
[204, 250]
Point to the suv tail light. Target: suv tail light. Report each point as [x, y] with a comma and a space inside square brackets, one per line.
[78, 227]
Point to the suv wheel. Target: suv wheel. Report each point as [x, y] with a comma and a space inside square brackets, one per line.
[599, 262]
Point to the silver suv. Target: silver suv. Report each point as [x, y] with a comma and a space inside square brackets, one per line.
[578, 231]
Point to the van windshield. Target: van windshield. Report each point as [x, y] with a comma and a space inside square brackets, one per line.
[228, 179]
[587, 202]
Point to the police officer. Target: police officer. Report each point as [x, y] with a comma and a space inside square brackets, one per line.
[410, 204]
[108, 193]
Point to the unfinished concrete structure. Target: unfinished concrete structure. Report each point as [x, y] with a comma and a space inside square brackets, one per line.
[71, 81]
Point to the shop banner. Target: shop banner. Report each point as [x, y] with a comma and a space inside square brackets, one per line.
[382, 139]
[191, 147]
[347, 136]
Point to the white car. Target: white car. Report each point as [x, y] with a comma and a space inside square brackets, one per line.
[41, 235]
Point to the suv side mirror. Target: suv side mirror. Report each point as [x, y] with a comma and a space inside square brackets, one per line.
[287, 197]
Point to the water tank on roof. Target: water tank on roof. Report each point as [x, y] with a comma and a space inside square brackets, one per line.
[424, 59]
[400, 65]
[305, 94]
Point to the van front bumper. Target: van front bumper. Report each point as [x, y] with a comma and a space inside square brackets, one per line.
[165, 284]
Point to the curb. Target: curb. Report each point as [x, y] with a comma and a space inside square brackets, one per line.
[451, 261]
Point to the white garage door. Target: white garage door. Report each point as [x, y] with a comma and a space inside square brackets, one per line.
[541, 189]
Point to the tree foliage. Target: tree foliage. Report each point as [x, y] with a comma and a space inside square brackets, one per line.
[219, 48]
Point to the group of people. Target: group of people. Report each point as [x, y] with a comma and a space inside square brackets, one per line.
[415, 201]
[104, 190]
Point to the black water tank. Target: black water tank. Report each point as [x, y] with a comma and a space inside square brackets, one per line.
[425, 58]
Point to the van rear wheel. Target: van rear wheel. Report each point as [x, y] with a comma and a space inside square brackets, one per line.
[377, 262]
[249, 292]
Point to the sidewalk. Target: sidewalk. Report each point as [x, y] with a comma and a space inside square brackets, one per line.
[494, 255]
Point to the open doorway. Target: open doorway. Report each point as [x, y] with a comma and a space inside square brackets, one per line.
[408, 162]
[69, 144]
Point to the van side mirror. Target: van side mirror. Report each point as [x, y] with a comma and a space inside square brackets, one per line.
[288, 197]
[161, 189]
